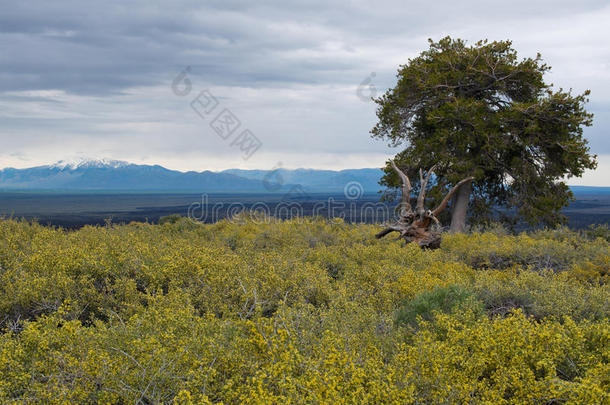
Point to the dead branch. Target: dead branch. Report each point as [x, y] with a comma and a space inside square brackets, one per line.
[405, 205]
[445, 201]
[417, 226]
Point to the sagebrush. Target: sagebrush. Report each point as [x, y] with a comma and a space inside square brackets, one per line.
[302, 311]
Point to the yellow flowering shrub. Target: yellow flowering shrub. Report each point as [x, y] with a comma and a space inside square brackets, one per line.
[301, 311]
[556, 250]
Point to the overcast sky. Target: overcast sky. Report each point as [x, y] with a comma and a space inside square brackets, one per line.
[94, 79]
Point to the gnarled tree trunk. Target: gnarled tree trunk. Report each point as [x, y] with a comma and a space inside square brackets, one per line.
[416, 225]
[460, 208]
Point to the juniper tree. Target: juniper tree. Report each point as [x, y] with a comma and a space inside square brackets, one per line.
[477, 110]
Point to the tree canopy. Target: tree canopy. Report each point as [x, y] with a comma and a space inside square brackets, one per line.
[477, 110]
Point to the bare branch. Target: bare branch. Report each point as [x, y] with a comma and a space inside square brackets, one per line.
[445, 201]
[422, 191]
[406, 188]
[421, 226]
[387, 230]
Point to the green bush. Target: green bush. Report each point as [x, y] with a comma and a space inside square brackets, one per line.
[443, 299]
[598, 231]
[170, 219]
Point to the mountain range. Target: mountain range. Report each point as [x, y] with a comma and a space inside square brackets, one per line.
[114, 175]
[89, 175]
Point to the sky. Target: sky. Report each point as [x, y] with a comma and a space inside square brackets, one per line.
[212, 85]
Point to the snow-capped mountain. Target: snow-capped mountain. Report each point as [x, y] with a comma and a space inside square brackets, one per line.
[81, 163]
[115, 175]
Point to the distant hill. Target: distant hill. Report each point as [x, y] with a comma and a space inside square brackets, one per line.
[113, 175]
[589, 190]
[316, 180]
[120, 176]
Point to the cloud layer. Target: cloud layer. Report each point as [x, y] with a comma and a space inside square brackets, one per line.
[86, 78]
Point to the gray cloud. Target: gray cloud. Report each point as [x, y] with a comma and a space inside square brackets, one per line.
[93, 47]
[95, 76]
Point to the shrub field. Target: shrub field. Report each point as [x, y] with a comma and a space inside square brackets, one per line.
[303, 311]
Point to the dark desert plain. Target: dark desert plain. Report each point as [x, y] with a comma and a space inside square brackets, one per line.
[591, 206]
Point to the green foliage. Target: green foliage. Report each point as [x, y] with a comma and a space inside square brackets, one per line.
[443, 299]
[481, 111]
[170, 219]
[305, 311]
[598, 231]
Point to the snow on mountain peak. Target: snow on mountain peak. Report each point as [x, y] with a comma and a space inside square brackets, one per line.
[85, 163]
